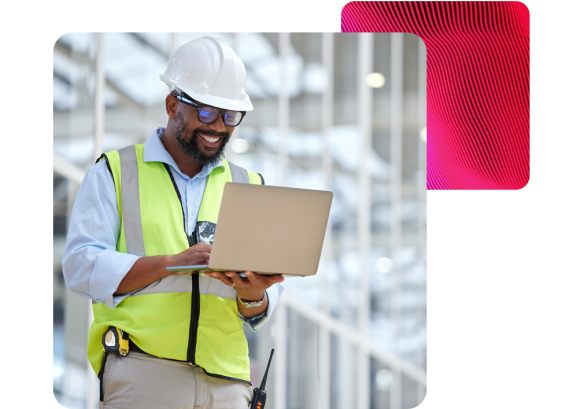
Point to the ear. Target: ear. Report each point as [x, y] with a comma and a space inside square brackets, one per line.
[171, 106]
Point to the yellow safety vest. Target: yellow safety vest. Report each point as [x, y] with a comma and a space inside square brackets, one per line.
[187, 317]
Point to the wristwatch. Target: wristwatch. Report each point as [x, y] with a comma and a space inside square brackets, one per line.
[253, 304]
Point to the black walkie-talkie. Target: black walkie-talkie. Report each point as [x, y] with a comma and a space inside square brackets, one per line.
[259, 394]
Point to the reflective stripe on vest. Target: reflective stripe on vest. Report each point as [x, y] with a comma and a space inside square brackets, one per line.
[158, 317]
[130, 192]
[131, 197]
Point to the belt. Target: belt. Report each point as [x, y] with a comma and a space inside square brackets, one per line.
[135, 348]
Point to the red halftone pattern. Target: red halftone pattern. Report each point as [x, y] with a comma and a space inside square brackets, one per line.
[478, 85]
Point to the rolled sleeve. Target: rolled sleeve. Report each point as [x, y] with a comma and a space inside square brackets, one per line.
[91, 265]
[108, 272]
[273, 295]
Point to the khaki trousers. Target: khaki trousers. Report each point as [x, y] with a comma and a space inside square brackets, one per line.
[146, 382]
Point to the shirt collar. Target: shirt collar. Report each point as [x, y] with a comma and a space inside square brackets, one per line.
[154, 151]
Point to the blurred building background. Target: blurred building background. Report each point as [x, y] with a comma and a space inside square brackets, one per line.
[342, 112]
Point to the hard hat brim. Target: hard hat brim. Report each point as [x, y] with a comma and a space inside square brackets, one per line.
[224, 103]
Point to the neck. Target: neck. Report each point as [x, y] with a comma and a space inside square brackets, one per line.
[183, 160]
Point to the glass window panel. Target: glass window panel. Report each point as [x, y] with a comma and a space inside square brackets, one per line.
[302, 356]
[381, 380]
[343, 374]
[73, 106]
[135, 106]
[345, 148]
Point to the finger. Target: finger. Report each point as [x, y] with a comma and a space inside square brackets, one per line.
[209, 274]
[239, 282]
[214, 274]
[253, 278]
[200, 258]
[225, 280]
[203, 247]
[277, 278]
[219, 276]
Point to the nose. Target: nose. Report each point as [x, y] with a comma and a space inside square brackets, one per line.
[218, 125]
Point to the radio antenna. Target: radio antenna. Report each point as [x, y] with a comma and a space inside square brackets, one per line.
[263, 385]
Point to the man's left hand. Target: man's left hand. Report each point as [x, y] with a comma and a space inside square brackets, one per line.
[250, 288]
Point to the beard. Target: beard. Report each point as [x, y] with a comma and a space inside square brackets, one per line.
[191, 146]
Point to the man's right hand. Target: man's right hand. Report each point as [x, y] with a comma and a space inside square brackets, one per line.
[193, 256]
[147, 270]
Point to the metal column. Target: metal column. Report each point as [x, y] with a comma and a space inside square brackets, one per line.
[99, 102]
[77, 378]
[283, 106]
[364, 102]
[231, 155]
[327, 52]
[281, 353]
[395, 236]
[282, 311]
[98, 130]
[422, 123]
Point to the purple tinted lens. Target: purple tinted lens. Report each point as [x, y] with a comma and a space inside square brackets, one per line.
[232, 118]
[208, 114]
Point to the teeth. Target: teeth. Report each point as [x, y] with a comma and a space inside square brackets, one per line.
[209, 139]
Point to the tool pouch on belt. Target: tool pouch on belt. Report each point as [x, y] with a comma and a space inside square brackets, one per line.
[115, 342]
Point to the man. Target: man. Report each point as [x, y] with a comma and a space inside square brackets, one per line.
[150, 206]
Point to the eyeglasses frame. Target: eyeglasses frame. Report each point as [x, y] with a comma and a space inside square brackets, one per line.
[184, 98]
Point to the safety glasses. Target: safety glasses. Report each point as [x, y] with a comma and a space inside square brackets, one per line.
[209, 114]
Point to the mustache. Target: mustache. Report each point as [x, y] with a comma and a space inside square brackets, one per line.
[222, 135]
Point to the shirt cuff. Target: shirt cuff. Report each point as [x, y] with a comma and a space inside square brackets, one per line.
[252, 322]
[272, 295]
[102, 285]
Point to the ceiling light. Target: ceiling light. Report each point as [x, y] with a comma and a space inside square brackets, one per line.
[423, 134]
[383, 379]
[239, 145]
[384, 265]
[375, 80]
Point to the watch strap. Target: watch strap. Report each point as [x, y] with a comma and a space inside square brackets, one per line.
[253, 304]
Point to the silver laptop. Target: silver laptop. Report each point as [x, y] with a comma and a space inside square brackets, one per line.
[268, 230]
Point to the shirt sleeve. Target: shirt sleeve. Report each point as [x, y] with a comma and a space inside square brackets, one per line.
[272, 295]
[91, 265]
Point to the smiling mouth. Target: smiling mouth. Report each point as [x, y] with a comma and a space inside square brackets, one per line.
[210, 141]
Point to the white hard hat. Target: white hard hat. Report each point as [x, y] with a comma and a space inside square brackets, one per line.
[209, 71]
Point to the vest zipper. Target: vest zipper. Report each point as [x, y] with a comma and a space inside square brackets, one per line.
[195, 294]
[195, 311]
